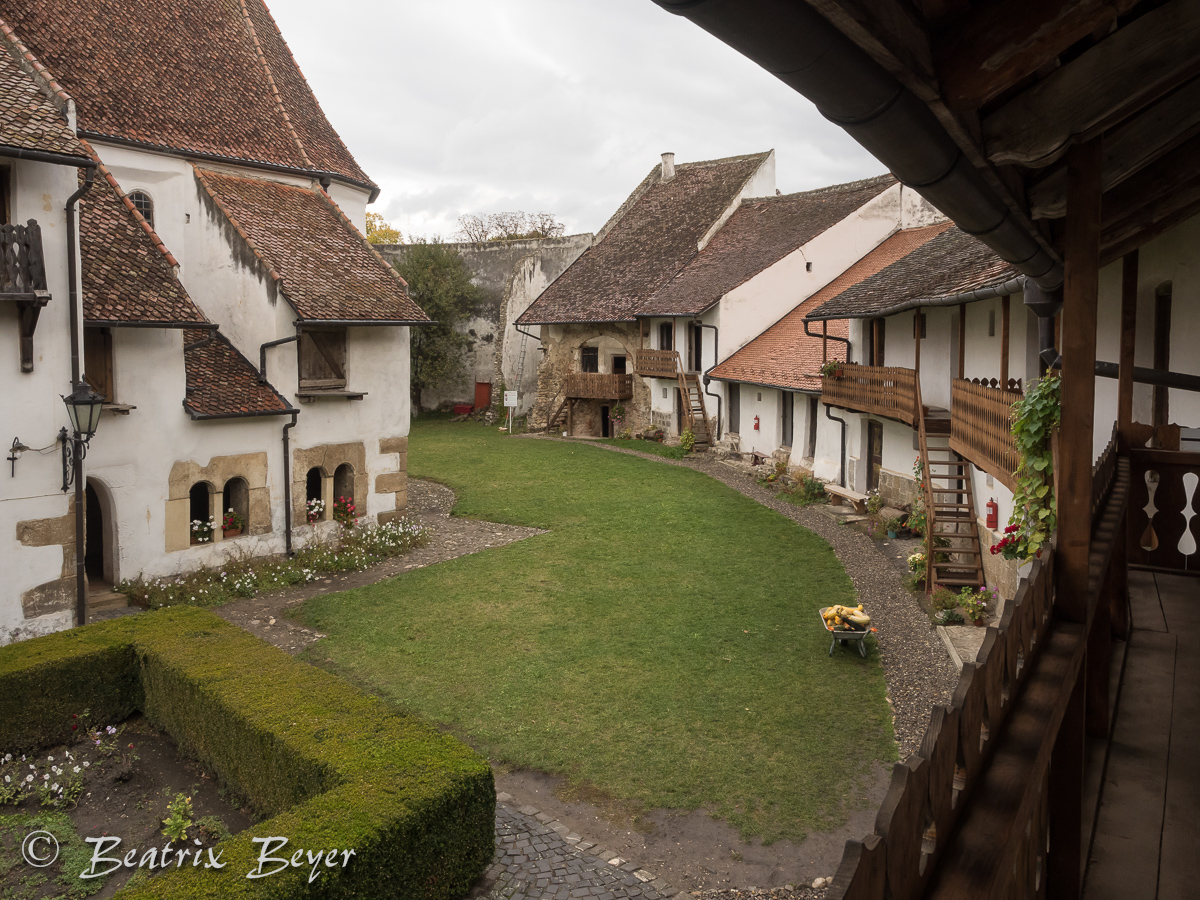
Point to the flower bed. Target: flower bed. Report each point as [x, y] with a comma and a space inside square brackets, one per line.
[330, 766]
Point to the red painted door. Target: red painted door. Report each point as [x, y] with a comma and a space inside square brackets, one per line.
[483, 395]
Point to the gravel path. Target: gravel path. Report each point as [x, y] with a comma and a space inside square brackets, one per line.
[919, 673]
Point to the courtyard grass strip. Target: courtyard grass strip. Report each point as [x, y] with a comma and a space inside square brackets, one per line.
[331, 766]
[660, 643]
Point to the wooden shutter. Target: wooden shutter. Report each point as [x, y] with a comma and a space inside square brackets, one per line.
[98, 362]
[323, 360]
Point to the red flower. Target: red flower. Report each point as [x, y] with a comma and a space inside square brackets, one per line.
[73, 727]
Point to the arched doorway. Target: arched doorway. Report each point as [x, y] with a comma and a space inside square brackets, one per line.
[100, 536]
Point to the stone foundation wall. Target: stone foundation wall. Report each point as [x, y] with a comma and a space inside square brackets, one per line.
[897, 490]
[1000, 573]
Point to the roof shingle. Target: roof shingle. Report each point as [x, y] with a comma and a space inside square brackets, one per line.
[128, 277]
[647, 244]
[951, 263]
[29, 118]
[324, 266]
[210, 77]
[221, 383]
[761, 232]
[784, 356]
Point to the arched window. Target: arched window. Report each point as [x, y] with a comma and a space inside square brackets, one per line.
[313, 484]
[236, 515]
[343, 482]
[144, 204]
[201, 512]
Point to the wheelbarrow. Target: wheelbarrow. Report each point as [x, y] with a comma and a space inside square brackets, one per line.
[845, 637]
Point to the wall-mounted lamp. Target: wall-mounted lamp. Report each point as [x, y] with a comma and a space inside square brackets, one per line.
[15, 452]
[83, 409]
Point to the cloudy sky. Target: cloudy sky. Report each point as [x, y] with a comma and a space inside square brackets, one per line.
[477, 106]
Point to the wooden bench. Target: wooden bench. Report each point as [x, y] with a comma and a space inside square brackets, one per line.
[838, 495]
[757, 459]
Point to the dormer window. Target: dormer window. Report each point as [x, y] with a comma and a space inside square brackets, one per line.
[144, 204]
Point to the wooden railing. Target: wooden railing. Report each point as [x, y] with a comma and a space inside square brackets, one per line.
[1169, 536]
[968, 815]
[981, 429]
[592, 386]
[883, 390]
[23, 272]
[656, 363]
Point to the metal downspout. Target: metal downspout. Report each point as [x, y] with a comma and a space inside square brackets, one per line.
[842, 470]
[74, 300]
[287, 485]
[262, 354]
[828, 337]
[716, 362]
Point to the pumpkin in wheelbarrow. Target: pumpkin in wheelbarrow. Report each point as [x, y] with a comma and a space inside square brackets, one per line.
[846, 618]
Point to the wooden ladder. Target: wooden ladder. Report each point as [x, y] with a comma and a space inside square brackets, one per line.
[953, 553]
[691, 396]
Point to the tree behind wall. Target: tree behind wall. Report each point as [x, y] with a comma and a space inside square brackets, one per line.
[440, 283]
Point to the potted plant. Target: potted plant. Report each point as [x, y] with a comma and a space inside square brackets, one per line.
[893, 527]
[974, 605]
[343, 511]
[232, 523]
[202, 530]
[832, 368]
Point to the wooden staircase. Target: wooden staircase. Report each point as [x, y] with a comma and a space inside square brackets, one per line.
[561, 416]
[953, 553]
[695, 415]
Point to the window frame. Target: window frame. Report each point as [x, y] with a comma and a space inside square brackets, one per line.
[323, 351]
[98, 353]
[589, 356]
[147, 201]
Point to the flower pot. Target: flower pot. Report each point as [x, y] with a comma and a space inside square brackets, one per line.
[893, 534]
[980, 623]
[230, 532]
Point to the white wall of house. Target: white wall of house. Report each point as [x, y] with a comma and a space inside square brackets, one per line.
[984, 339]
[32, 410]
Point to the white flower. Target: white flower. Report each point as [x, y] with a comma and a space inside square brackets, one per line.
[77, 768]
[7, 779]
[28, 778]
[8, 757]
[45, 778]
[50, 759]
[55, 787]
[86, 764]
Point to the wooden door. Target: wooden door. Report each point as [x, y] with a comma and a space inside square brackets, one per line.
[483, 394]
[788, 419]
[735, 408]
[874, 454]
[323, 359]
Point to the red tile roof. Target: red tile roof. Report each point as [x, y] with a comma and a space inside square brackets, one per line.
[221, 383]
[322, 263]
[935, 271]
[784, 356]
[32, 103]
[208, 76]
[128, 275]
[652, 237]
[761, 232]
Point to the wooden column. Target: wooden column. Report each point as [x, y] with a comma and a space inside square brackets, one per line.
[1004, 316]
[825, 341]
[917, 338]
[962, 340]
[1078, 334]
[1129, 287]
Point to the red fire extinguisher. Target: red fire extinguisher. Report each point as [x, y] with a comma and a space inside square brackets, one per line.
[756, 423]
[993, 514]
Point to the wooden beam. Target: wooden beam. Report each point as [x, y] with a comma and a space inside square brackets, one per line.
[1004, 318]
[1080, 291]
[1114, 246]
[1129, 292]
[917, 338]
[1064, 861]
[891, 33]
[979, 57]
[1112, 81]
[1136, 199]
[1128, 149]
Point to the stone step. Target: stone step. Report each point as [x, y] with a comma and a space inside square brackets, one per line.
[99, 601]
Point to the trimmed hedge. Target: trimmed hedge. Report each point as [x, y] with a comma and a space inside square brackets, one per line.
[335, 768]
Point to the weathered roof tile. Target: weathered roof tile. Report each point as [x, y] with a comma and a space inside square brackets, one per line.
[30, 119]
[221, 383]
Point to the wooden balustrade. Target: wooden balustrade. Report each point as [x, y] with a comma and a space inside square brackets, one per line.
[23, 272]
[968, 815]
[593, 386]
[656, 363]
[1166, 534]
[981, 429]
[883, 390]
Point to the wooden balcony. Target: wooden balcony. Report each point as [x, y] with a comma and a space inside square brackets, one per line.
[656, 363]
[981, 429]
[23, 280]
[887, 391]
[592, 386]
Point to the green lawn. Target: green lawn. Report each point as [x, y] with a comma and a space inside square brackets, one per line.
[661, 643]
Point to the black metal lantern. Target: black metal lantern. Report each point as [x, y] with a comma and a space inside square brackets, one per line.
[83, 407]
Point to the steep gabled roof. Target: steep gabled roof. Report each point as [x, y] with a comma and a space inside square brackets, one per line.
[31, 109]
[784, 356]
[761, 232]
[128, 275]
[212, 77]
[325, 268]
[934, 273]
[223, 384]
[654, 234]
